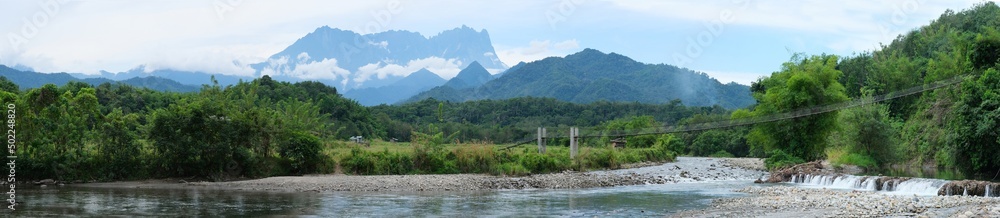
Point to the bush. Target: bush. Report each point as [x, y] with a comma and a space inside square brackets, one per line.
[476, 158]
[510, 169]
[857, 160]
[302, 151]
[377, 163]
[779, 159]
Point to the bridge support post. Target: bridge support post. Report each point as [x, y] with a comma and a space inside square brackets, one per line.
[541, 140]
[573, 141]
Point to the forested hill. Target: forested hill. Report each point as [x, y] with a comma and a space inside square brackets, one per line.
[591, 75]
[27, 79]
[954, 127]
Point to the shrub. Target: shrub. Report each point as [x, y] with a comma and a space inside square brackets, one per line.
[779, 159]
[302, 152]
[857, 160]
[510, 169]
[476, 158]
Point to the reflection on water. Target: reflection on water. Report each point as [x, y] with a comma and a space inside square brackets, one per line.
[617, 201]
[147, 202]
[927, 172]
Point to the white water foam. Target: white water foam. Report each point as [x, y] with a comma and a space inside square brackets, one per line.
[918, 186]
[915, 186]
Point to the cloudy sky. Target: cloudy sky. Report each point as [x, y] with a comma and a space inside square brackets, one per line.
[732, 40]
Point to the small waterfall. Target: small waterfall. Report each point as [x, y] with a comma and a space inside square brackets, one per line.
[869, 183]
[840, 182]
[987, 194]
[914, 186]
[919, 186]
[965, 192]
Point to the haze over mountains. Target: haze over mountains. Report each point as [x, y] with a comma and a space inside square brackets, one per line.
[591, 75]
[454, 65]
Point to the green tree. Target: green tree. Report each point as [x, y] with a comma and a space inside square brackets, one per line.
[977, 119]
[118, 147]
[802, 83]
[302, 150]
[866, 133]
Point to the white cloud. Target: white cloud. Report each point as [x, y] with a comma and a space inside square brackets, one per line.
[446, 68]
[536, 50]
[325, 69]
[567, 45]
[303, 57]
[744, 78]
[382, 44]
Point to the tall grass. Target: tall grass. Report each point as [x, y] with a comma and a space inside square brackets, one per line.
[419, 158]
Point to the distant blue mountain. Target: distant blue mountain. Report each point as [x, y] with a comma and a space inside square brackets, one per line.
[416, 82]
[195, 79]
[355, 53]
[29, 79]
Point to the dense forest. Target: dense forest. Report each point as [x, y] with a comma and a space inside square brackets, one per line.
[591, 75]
[115, 131]
[955, 127]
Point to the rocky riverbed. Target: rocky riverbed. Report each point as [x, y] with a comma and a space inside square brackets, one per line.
[790, 201]
[684, 170]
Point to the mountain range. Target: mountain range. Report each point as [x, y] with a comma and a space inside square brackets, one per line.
[29, 79]
[349, 60]
[402, 66]
[591, 75]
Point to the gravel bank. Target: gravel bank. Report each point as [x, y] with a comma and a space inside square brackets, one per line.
[789, 201]
[685, 169]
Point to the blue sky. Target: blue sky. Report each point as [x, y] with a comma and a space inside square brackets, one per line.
[732, 40]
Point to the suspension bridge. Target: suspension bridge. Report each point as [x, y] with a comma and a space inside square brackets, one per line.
[542, 133]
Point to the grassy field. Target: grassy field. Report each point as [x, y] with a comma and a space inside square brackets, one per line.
[388, 158]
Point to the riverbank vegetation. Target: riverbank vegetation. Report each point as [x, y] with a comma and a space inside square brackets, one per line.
[951, 128]
[265, 128]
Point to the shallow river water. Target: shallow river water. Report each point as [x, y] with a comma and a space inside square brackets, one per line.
[643, 200]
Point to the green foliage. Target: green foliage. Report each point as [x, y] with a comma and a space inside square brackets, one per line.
[119, 150]
[977, 119]
[512, 120]
[868, 131]
[378, 163]
[801, 83]
[302, 151]
[860, 160]
[593, 76]
[7, 86]
[632, 125]
[714, 141]
[778, 159]
[986, 50]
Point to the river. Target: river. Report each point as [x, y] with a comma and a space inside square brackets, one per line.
[642, 200]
